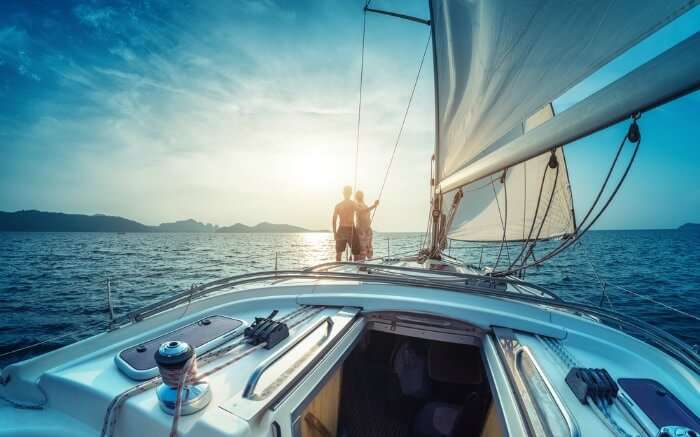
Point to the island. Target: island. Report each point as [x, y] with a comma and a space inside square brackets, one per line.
[41, 221]
[690, 227]
[264, 227]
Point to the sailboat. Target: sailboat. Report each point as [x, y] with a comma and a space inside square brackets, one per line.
[421, 345]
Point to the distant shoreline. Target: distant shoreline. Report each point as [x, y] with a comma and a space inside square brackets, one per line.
[41, 221]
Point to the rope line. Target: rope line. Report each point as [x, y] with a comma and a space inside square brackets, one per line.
[504, 222]
[359, 105]
[544, 218]
[668, 307]
[403, 122]
[603, 284]
[633, 132]
[50, 340]
[534, 220]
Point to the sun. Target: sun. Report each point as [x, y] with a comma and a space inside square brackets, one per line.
[316, 172]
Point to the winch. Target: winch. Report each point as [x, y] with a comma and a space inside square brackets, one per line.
[177, 366]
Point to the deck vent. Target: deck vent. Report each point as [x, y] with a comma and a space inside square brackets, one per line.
[177, 366]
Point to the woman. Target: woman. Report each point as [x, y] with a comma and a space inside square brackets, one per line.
[363, 229]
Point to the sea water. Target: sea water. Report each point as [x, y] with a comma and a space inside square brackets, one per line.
[53, 286]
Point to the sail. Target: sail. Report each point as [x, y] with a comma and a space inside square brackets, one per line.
[531, 200]
[497, 62]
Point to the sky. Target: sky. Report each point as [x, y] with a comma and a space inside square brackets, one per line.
[246, 111]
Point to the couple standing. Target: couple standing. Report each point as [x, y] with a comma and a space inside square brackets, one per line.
[352, 225]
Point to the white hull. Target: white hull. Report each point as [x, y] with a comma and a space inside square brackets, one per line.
[76, 384]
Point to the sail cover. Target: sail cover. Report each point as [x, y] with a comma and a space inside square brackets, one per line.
[529, 201]
[498, 66]
[499, 61]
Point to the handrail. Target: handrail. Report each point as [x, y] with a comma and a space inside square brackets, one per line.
[566, 414]
[512, 352]
[508, 280]
[262, 367]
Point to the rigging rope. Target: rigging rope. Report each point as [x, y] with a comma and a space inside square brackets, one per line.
[359, 118]
[403, 122]
[504, 223]
[423, 246]
[359, 105]
[634, 136]
[527, 241]
[546, 211]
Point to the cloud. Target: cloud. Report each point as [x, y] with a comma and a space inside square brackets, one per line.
[14, 45]
[93, 16]
[154, 111]
[12, 38]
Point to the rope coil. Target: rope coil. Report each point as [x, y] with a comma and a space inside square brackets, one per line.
[174, 377]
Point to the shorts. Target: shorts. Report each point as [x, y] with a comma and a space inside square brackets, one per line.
[346, 236]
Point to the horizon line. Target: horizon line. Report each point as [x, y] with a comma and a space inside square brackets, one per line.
[287, 224]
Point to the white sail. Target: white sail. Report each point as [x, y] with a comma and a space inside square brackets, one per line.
[532, 201]
[670, 75]
[499, 61]
[498, 66]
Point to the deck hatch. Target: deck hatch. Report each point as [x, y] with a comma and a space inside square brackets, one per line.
[138, 362]
[657, 402]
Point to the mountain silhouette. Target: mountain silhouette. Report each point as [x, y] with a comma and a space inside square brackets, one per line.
[188, 225]
[263, 227]
[40, 221]
[694, 227]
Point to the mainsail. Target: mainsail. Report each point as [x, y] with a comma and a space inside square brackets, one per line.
[498, 66]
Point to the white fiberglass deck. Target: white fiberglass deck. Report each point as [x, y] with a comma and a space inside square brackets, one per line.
[78, 382]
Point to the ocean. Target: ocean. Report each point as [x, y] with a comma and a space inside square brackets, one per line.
[53, 286]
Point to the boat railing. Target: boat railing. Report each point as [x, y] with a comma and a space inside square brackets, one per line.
[437, 280]
[441, 280]
[450, 281]
[439, 273]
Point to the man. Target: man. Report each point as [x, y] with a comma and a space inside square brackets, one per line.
[343, 232]
[343, 224]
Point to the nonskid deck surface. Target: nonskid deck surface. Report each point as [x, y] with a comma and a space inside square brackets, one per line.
[79, 382]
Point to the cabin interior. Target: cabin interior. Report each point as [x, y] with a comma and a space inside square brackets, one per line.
[397, 385]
